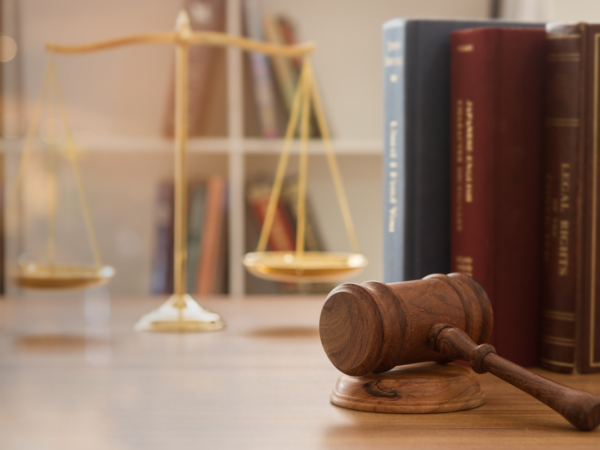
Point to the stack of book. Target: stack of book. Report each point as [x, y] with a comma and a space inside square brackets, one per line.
[273, 80]
[206, 242]
[490, 169]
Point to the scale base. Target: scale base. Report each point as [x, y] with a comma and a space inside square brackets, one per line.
[180, 314]
[413, 389]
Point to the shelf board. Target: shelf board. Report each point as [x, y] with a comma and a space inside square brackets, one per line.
[340, 146]
[254, 146]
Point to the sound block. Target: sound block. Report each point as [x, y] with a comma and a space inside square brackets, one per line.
[421, 388]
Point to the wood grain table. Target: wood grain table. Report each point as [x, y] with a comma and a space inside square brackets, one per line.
[74, 375]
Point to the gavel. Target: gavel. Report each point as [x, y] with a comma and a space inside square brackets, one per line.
[373, 327]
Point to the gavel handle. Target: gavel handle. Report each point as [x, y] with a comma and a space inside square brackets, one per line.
[580, 408]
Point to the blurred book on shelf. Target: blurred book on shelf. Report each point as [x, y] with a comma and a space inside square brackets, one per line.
[283, 231]
[207, 100]
[212, 259]
[287, 32]
[285, 72]
[161, 279]
[196, 210]
[274, 79]
[207, 272]
[262, 78]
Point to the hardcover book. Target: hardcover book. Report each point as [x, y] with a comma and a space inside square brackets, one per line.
[497, 95]
[416, 163]
[571, 315]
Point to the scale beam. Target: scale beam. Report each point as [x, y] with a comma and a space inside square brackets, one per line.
[193, 38]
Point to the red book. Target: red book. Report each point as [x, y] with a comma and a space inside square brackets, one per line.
[497, 96]
[288, 33]
[282, 237]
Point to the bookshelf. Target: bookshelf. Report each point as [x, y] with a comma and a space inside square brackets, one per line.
[117, 102]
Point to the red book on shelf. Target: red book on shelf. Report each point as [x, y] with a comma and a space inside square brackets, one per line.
[282, 237]
[497, 97]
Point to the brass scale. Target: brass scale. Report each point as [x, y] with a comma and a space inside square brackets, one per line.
[181, 312]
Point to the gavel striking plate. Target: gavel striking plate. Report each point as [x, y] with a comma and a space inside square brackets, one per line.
[369, 329]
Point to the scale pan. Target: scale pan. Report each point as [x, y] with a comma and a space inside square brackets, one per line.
[45, 276]
[308, 268]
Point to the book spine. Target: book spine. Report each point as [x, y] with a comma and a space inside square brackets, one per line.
[282, 237]
[587, 351]
[285, 72]
[472, 181]
[496, 177]
[222, 272]
[289, 196]
[261, 76]
[562, 190]
[162, 266]
[288, 34]
[394, 186]
[211, 236]
[205, 15]
[195, 222]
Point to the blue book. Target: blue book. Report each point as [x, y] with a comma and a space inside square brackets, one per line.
[416, 162]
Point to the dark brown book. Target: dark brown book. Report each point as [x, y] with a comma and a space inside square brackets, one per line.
[206, 82]
[497, 94]
[571, 314]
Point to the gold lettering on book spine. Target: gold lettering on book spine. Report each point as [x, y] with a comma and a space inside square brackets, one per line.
[563, 249]
[469, 131]
[464, 264]
[564, 225]
[393, 180]
[460, 149]
[558, 315]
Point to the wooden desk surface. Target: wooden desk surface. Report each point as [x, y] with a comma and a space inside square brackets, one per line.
[263, 383]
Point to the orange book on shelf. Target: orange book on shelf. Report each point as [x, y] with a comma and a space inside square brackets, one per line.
[212, 233]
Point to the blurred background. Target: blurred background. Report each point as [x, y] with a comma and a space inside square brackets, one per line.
[119, 106]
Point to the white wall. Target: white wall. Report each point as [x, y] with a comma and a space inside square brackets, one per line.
[552, 10]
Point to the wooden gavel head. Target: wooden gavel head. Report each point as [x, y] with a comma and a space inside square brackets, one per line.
[373, 327]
